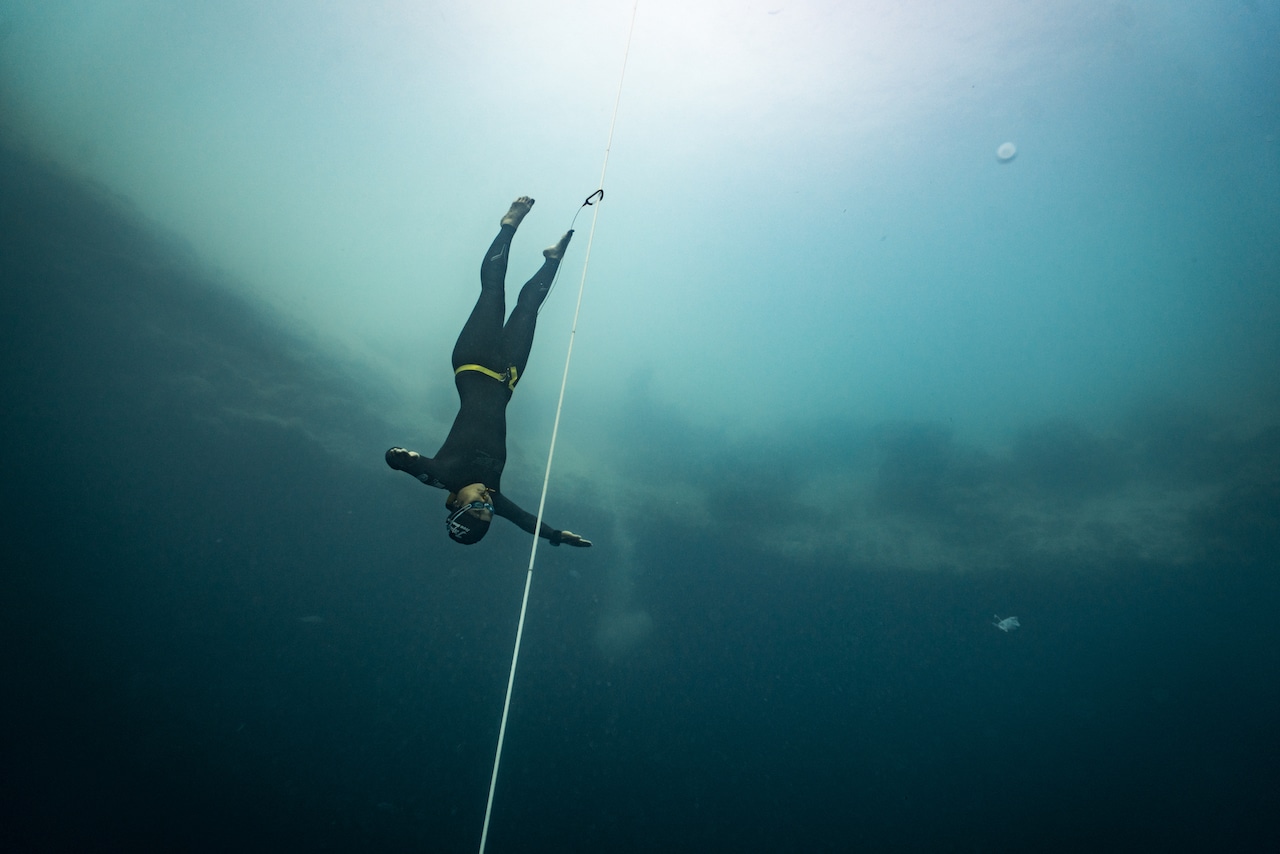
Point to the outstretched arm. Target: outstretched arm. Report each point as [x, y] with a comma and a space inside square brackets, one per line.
[508, 509]
[415, 464]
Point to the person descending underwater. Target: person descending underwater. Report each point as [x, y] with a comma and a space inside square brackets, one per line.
[488, 360]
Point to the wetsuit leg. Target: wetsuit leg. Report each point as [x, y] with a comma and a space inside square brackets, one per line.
[480, 342]
[517, 336]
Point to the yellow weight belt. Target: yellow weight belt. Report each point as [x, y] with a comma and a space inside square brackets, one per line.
[511, 377]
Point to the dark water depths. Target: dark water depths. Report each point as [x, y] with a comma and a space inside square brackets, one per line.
[224, 631]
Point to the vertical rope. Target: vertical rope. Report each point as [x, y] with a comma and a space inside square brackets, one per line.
[555, 430]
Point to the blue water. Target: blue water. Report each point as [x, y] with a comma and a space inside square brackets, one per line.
[846, 387]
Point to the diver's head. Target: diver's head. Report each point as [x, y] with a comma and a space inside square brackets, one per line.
[471, 512]
[469, 523]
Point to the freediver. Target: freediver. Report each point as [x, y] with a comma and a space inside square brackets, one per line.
[488, 360]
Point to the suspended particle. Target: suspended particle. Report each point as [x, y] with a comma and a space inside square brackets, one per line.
[1006, 152]
[1008, 624]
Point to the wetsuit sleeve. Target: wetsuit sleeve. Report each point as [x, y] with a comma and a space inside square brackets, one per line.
[508, 509]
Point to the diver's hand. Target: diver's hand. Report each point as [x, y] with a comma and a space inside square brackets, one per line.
[569, 538]
[401, 459]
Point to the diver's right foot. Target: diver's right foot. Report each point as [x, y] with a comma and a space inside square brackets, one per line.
[556, 251]
[519, 209]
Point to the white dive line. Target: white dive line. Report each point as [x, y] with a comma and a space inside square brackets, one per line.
[555, 429]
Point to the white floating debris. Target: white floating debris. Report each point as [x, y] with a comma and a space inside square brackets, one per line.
[1008, 624]
[1006, 152]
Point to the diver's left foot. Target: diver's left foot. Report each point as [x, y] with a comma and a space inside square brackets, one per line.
[519, 209]
[555, 253]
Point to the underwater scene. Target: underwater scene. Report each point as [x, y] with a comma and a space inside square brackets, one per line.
[914, 379]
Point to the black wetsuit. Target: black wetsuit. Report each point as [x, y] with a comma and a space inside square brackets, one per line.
[475, 450]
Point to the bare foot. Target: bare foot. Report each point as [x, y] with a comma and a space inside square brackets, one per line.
[557, 252]
[519, 208]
